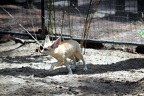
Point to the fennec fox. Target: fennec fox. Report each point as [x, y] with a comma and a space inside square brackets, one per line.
[61, 51]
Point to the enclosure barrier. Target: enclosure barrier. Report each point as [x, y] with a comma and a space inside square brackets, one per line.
[113, 21]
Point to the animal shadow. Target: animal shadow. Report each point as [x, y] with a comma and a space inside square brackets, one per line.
[126, 65]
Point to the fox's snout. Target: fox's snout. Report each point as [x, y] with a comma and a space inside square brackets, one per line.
[41, 48]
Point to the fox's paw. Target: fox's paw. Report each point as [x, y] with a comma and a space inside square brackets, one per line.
[85, 68]
[50, 70]
[70, 73]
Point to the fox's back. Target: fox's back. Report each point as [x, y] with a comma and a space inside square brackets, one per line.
[68, 48]
[70, 44]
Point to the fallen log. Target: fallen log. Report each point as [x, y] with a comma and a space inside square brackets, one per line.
[23, 41]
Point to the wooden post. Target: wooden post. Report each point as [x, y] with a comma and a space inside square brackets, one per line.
[43, 19]
[120, 6]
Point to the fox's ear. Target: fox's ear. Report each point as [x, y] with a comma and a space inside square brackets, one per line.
[56, 43]
[47, 39]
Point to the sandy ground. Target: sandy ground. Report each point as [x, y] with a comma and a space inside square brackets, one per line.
[110, 73]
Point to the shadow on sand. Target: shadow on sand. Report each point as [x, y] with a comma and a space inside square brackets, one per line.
[92, 85]
[136, 63]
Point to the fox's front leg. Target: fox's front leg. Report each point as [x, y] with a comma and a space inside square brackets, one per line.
[56, 64]
[74, 62]
[68, 67]
[60, 63]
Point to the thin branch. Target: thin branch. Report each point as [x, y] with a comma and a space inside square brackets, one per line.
[20, 25]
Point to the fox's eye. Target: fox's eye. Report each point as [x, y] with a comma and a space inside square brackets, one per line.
[45, 49]
[49, 47]
[41, 48]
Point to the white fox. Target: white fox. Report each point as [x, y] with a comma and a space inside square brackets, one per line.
[61, 51]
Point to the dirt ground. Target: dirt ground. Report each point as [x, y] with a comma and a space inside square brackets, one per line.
[110, 73]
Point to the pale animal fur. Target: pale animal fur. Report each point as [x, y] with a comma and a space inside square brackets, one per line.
[63, 50]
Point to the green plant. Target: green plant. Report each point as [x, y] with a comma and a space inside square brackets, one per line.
[141, 33]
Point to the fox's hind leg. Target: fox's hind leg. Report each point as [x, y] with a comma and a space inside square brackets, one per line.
[80, 56]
